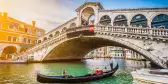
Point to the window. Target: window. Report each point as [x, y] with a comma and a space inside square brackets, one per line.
[29, 41]
[105, 20]
[14, 39]
[139, 21]
[9, 38]
[25, 40]
[10, 26]
[15, 26]
[120, 20]
[26, 30]
[160, 21]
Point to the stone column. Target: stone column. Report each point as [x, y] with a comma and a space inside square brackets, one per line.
[149, 22]
[96, 12]
[78, 19]
[1, 49]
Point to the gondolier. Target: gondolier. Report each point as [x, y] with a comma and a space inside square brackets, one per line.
[64, 72]
[77, 79]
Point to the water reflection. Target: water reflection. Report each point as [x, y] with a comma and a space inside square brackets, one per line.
[25, 73]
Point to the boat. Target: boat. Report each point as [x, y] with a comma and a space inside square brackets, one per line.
[77, 79]
[150, 76]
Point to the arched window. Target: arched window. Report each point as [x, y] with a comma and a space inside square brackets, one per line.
[91, 20]
[105, 20]
[87, 16]
[160, 21]
[45, 38]
[64, 29]
[39, 41]
[9, 38]
[50, 35]
[120, 20]
[139, 21]
[57, 33]
[8, 51]
[73, 25]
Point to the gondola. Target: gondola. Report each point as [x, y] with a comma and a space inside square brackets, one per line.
[77, 79]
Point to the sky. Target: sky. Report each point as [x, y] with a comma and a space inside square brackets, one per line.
[49, 14]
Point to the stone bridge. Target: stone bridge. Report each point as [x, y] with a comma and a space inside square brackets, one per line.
[151, 43]
[143, 30]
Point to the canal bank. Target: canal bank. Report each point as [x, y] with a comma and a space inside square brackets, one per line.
[26, 73]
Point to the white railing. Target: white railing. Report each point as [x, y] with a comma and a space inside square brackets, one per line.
[134, 30]
[117, 29]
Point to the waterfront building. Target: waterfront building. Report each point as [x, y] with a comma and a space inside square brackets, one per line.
[16, 36]
[100, 52]
[115, 52]
[129, 54]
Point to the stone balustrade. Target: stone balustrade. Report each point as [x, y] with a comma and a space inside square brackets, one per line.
[134, 30]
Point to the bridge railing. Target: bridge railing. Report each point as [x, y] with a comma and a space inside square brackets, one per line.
[113, 29]
[61, 35]
[134, 30]
[116, 29]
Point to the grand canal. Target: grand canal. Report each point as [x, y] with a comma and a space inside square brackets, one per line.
[26, 73]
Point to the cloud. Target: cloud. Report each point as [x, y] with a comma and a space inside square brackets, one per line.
[48, 13]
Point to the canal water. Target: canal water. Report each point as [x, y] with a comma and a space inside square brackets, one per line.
[26, 73]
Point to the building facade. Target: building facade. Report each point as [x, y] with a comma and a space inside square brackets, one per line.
[115, 52]
[16, 36]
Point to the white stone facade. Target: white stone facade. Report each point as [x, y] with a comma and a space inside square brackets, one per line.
[115, 52]
[99, 12]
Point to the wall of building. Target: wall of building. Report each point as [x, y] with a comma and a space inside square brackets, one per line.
[17, 33]
[115, 52]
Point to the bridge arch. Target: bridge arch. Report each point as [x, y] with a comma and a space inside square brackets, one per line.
[64, 30]
[160, 21]
[86, 13]
[139, 20]
[77, 48]
[39, 41]
[57, 33]
[45, 38]
[120, 20]
[50, 36]
[72, 25]
[8, 50]
[105, 20]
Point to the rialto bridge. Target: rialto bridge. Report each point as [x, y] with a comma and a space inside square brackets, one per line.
[143, 30]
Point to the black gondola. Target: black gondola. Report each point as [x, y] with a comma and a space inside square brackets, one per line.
[77, 79]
